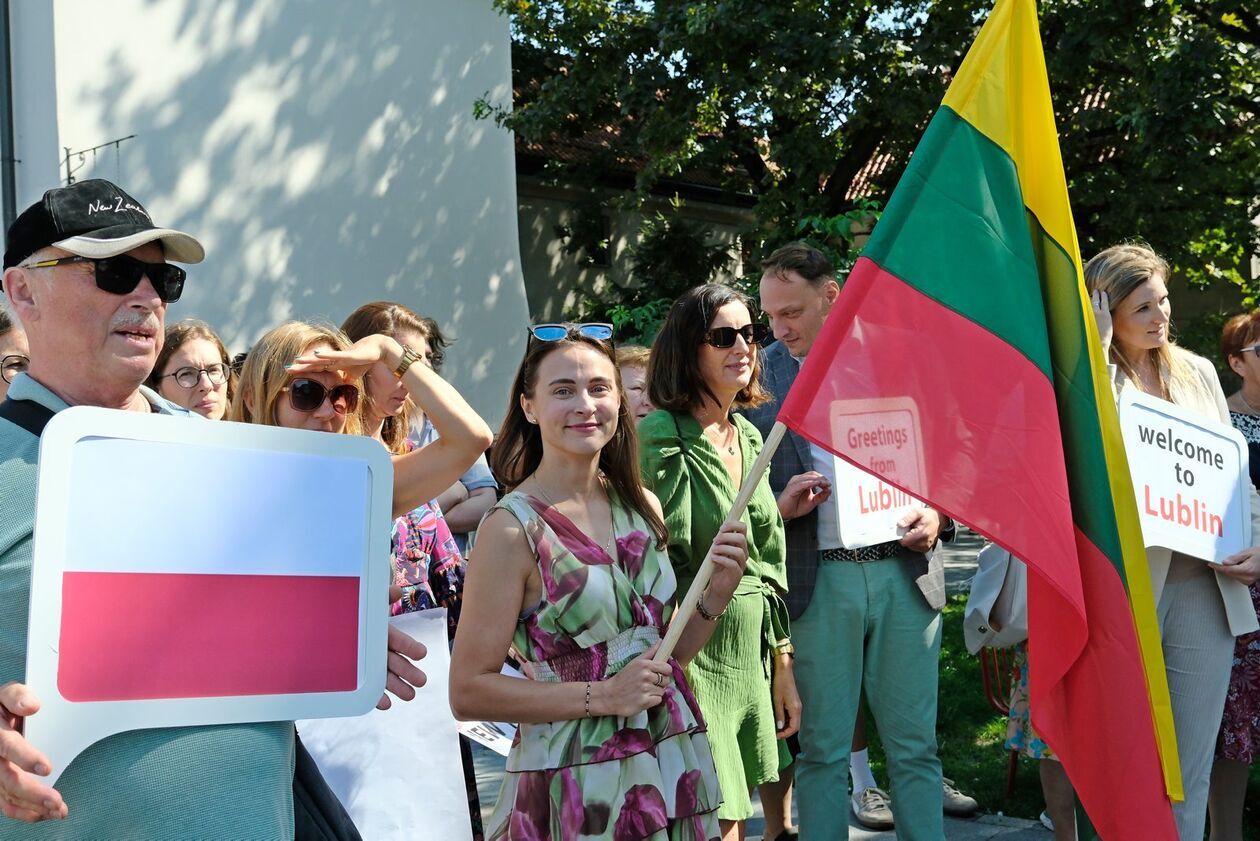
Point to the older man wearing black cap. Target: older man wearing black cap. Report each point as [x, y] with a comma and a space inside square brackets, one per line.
[86, 271]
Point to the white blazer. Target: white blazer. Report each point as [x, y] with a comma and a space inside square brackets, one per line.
[1209, 401]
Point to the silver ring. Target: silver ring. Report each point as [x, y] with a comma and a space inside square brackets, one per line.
[660, 680]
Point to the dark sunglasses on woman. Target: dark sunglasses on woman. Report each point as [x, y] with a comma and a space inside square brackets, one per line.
[559, 332]
[120, 275]
[308, 395]
[724, 337]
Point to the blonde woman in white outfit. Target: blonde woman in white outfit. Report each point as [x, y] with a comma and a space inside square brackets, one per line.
[1200, 608]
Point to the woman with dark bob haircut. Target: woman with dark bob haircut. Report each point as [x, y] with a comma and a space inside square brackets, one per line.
[695, 452]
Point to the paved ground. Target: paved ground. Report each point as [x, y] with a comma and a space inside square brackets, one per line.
[490, 774]
[960, 563]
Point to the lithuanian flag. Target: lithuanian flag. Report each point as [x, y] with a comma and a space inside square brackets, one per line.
[967, 314]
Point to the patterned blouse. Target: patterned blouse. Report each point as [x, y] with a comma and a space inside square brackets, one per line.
[427, 564]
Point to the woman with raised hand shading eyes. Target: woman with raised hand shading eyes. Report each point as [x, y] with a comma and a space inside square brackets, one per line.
[569, 569]
[307, 376]
[1200, 607]
[194, 370]
[428, 564]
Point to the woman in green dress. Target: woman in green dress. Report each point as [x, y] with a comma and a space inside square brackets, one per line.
[695, 452]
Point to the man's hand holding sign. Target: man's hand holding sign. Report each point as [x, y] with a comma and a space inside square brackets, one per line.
[23, 796]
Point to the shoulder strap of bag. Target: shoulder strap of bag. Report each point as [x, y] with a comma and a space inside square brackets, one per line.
[27, 414]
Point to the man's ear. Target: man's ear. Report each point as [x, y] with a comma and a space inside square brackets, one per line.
[17, 288]
[832, 291]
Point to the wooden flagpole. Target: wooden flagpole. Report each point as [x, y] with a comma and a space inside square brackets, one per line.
[687, 607]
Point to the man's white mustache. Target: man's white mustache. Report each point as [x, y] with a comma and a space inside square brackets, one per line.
[136, 321]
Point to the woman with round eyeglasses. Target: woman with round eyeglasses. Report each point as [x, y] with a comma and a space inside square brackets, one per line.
[194, 370]
[14, 354]
[695, 452]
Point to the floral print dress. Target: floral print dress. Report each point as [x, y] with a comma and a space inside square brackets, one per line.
[1239, 738]
[646, 776]
[427, 564]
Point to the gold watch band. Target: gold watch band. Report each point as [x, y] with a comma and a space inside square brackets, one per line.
[409, 358]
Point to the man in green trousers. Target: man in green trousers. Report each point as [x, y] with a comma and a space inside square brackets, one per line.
[862, 619]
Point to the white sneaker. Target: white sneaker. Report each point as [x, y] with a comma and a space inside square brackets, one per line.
[873, 808]
[1046, 822]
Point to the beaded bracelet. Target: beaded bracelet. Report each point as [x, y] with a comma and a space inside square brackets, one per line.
[712, 617]
[588, 699]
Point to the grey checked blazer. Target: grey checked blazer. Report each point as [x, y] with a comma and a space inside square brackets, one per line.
[778, 372]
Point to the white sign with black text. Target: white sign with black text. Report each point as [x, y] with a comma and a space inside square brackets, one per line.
[1190, 477]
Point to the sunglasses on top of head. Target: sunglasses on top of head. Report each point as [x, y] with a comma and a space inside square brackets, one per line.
[308, 395]
[120, 275]
[724, 337]
[559, 332]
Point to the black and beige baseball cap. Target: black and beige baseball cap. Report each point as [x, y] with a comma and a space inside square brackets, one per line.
[95, 219]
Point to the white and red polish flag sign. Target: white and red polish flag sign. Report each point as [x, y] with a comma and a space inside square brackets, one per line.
[192, 573]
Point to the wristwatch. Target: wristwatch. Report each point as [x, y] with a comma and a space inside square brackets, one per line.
[785, 647]
[409, 358]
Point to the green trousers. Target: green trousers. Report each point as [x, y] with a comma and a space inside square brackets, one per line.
[868, 626]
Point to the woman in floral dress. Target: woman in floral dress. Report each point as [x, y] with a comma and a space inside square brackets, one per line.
[1238, 744]
[569, 570]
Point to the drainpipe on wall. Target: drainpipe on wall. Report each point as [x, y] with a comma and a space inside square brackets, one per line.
[8, 170]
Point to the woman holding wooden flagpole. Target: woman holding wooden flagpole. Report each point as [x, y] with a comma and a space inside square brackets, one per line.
[695, 454]
[1200, 608]
[570, 570]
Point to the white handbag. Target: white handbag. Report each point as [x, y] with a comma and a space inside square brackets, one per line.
[997, 608]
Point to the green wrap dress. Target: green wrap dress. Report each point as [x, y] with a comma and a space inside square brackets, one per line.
[731, 676]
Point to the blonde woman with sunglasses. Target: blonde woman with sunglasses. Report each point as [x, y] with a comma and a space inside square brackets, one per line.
[307, 376]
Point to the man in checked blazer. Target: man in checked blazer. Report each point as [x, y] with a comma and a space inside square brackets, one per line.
[865, 619]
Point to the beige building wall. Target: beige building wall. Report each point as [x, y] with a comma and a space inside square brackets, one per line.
[325, 153]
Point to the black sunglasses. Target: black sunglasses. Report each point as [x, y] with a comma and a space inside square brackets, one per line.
[559, 332]
[308, 395]
[724, 337]
[120, 275]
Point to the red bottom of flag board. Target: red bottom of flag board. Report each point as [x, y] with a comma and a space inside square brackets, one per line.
[132, 636]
